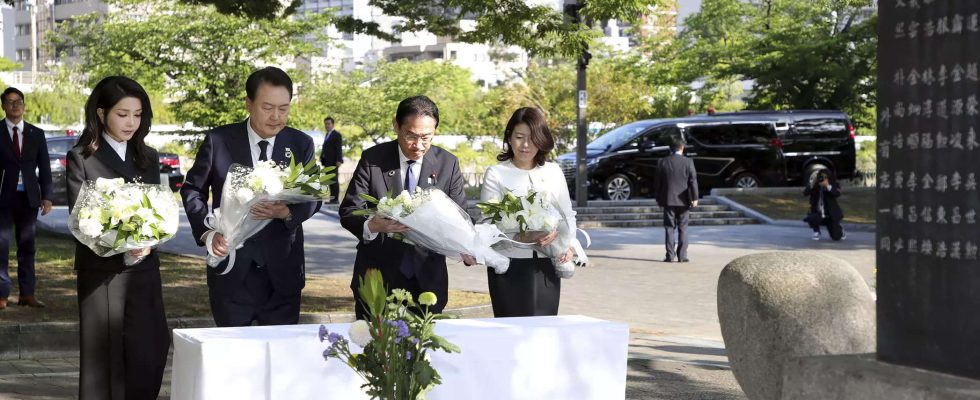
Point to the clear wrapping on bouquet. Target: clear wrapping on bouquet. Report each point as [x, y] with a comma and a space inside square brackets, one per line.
[233, 220]
[551, 216]
[438, 224]
[111, 217]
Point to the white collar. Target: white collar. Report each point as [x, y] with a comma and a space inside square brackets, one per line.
[10, 126]
[118, 147]
[254, 138]
[402, 159]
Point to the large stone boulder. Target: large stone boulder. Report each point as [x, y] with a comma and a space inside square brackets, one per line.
[774, 307]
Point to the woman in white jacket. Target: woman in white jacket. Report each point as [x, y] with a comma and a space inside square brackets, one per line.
[531, 286]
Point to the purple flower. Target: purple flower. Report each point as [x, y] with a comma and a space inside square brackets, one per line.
[334, 338]
[415, 340]
[327, 353]
[408, 355]
[323, 333]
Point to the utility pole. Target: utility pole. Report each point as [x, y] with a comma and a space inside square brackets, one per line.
[32, 6]
[572, 8]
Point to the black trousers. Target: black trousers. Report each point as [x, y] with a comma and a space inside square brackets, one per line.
[834, 228]
[530, 287]
[675, 226]
[20, 215]
[335, 191]
[257, 300]
[123, 333]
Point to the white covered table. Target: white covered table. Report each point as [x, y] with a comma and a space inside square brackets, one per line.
[564, 357]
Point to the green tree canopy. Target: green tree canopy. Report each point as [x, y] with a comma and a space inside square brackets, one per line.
[198, 57]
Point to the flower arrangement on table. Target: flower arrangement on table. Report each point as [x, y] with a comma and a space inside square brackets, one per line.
[111, 217]
[438, 224]
[395, 341]
[266, 181]
[529, 218]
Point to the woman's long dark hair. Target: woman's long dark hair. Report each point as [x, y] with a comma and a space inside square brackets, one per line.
[540, 134]
[106, 94]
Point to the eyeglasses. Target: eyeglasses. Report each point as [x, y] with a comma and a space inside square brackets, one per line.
[19, 103]
[418, 139]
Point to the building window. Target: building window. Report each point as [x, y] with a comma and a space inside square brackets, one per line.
[23, 29]
[347, 36]
[23, 55]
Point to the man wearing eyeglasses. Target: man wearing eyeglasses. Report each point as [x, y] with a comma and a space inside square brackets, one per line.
[25, 186]
[408, 163]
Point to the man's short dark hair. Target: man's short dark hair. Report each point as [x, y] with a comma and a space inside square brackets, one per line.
[417, 106]
[328, 119]
[10, 90]
[270, 75]
[677, 143]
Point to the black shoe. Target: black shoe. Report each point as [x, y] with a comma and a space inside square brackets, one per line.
[668, 260]
[684, 260]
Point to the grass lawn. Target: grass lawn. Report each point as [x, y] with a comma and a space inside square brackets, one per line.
[185, 291]
[858, 204]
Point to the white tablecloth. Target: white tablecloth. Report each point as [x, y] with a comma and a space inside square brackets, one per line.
[539, 358]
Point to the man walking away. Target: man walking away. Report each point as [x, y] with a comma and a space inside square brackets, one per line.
[676, 191]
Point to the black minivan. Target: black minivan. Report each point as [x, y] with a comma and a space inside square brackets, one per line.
[812, 140]
[736, 151]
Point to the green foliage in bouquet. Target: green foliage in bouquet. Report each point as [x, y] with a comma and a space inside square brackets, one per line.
[510, 206]
[309, 178]
[395, 339]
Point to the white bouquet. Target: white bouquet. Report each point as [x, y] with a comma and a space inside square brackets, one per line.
[112, 217]
[438, 224]
[267, 181]
[526, 219]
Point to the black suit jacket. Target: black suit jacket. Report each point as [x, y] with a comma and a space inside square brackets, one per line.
[105, 163]
[333, 150]
[33, 164]
[278, 246]
[831, 207]
[378, 173]
[676, 184]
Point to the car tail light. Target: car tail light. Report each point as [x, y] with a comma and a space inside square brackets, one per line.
[775, 142]
[173, 162]
[850, 130]
[63, 161]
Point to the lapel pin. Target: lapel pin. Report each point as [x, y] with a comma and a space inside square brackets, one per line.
[289, 153]
[391, 173]
[432, 179]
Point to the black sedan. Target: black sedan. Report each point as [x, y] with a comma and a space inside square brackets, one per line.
[58, 147]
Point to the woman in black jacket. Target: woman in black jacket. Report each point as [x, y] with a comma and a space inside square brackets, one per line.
[123, 329]
[824, 209]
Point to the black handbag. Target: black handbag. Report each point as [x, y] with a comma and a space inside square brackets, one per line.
[813, 218]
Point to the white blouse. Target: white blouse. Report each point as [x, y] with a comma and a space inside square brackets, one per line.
[505, 176]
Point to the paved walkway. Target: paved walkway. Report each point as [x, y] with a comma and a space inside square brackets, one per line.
[676, 351]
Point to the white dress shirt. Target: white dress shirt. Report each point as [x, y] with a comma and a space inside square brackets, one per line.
[253, 143]
[20, 145]
[505, 176]
[118, 147]
[402, 163]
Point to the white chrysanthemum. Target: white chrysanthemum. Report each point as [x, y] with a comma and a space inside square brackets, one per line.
[90, 227]
[360, 333]
[170, 225]
[272, 186]
[146, 230]
[107, 185]
[244, 195]
[302, 178]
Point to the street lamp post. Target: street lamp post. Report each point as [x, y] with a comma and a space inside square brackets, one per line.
[572, 8]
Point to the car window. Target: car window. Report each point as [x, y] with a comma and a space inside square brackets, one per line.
[60, 146]
[659, 137]
[821, 127]
[752, 134]
[619, 136]
[722, 134]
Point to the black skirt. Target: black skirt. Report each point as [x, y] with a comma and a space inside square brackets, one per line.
[530, 287]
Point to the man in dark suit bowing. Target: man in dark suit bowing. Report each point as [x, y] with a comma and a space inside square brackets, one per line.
[265, 283]
[25, 186]
[332, 154]
[407, 163]
[676, 191]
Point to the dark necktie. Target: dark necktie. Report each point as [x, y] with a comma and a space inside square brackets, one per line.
[262, 146]
[16, 143]
[410, 180]
[408, 257]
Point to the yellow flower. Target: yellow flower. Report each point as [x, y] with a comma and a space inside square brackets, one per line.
[427, 298]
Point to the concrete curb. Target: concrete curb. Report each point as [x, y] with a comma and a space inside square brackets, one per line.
[848, 226]
[743, 209]
[777, 190]
[42, 340]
